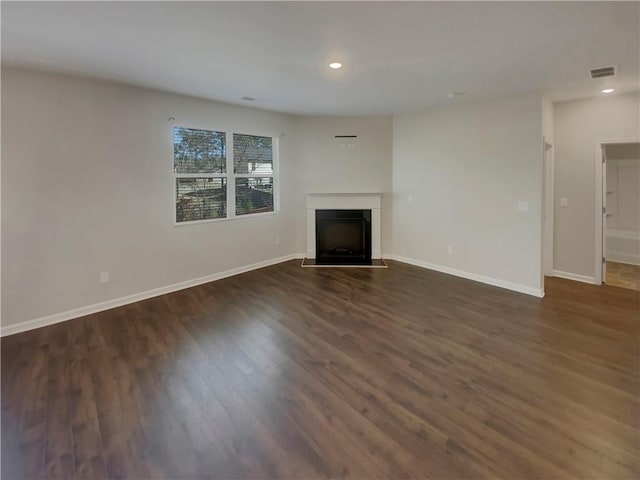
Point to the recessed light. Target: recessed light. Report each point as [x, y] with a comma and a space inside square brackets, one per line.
[608, 90]
[335, 65]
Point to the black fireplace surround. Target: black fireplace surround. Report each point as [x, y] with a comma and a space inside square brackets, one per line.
[343, 237]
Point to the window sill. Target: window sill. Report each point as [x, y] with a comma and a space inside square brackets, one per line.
[226, 219]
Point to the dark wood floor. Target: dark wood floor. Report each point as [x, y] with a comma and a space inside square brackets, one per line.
[302, 373]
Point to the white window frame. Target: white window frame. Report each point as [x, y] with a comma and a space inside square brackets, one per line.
[229, 175]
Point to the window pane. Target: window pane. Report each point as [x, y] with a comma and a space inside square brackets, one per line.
[200, 198]
[254, 195]
[252, 154]
[199, 151]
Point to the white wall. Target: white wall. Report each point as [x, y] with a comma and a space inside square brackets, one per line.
[466, 167]
[578, 125]
[342, 165]
[87, 186]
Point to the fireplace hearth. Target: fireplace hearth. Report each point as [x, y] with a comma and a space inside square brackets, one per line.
[343, 237]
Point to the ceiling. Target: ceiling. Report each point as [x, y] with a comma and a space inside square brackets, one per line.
[397, 56]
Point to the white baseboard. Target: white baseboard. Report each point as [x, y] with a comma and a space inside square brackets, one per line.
[536, 292]
[136, 297]
[621, 257]
[574, 276]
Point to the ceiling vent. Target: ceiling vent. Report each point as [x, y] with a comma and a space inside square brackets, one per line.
[603, 72]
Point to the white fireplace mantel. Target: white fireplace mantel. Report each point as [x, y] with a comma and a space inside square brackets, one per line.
[344, 201]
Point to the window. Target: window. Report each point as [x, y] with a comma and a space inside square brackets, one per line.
[200, 165]
[209, 187]
[253, 169]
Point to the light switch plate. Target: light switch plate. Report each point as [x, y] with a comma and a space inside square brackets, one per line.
[523, 206]
[564, 202]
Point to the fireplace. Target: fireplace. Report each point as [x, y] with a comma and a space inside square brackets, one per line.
[370, 203]
[343, 237]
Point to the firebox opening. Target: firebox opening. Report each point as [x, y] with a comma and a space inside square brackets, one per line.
[343, 237]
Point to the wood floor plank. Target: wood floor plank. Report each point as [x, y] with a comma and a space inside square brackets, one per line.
[294, 373]
[85, 426]
[59, 454]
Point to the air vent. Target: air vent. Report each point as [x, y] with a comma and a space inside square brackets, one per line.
[603, 72]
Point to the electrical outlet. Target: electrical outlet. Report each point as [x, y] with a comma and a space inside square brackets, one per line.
[104, 277]
[450, 250]
[277, 241]
[410, 198]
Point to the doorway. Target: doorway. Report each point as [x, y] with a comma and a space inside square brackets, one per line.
[618, 212]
